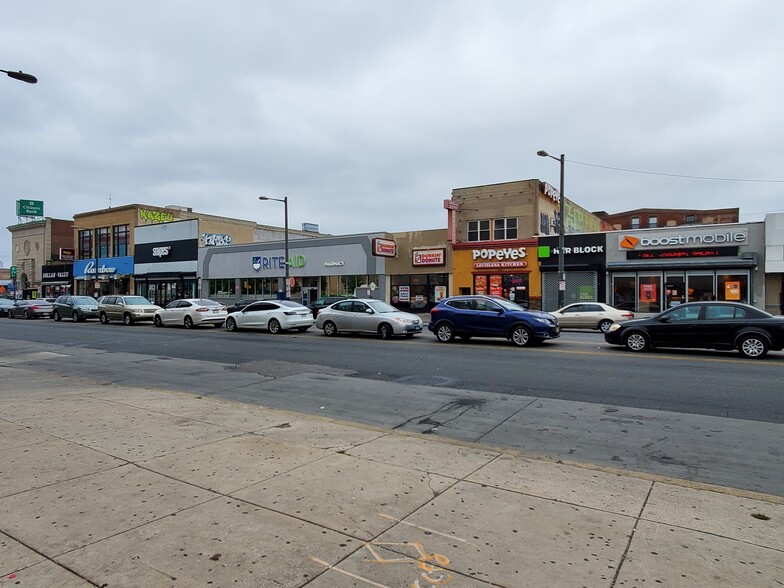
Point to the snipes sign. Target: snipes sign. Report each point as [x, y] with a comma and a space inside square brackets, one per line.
[667, 240]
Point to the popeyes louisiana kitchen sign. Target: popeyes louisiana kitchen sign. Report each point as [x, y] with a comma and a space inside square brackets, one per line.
[510, 257]
[428, 257]
[384, 247]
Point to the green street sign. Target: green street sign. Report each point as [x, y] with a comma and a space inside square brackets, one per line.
[29, 208]
[12, 273]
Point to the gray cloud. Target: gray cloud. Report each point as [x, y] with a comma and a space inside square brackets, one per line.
[367, 114]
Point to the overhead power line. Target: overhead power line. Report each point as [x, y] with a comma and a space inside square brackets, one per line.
[650, 173]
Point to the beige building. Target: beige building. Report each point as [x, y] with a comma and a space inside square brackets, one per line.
[419, 276]
[36, 244]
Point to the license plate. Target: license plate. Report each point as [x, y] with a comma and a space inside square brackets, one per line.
[215, 311]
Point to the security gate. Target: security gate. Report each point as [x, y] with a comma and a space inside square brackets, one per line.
[580, 287]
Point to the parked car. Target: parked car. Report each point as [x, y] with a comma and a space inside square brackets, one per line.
[324, 302]
[367, 316]
[30, 309]
[490, 316]
[590, 315]
[191, 312]
[127, 309]
[708, 325]
[275, 316]
[76, 308]
[240, 304]
[5, 306]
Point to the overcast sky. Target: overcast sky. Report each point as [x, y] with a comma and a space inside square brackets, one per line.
[366, 114]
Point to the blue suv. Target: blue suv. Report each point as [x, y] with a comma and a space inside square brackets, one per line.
[490, 316]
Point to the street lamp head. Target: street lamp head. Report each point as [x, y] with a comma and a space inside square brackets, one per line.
[263, 198]
[21, 76]
[542, 153]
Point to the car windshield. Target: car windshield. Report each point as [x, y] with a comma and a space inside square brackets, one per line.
[379, 306]
[83, 300]
[136, 300]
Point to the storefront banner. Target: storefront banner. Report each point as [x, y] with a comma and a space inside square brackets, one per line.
[681, 239]
[67, 254]
[384, 247]
[107, 267]
[500, 264]
[429, 257]
[56, 273]
[167, 251]
[683, 253]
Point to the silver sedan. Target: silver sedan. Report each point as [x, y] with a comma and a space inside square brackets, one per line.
[367, 316]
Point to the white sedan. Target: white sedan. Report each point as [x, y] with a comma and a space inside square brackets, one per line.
[275, 316]
[590, 315]
[191, 312]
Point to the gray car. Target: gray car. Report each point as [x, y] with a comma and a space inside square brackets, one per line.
[30, 309]
[76, 308]
[127, 309]
[367, 316]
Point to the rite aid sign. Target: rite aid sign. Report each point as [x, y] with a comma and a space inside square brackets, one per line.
[680, 239]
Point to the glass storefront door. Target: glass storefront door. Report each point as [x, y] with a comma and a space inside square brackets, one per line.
[650, 293]
[700, 286]
[674, 289]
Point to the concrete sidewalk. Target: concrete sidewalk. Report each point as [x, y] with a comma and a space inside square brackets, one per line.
[110, 485]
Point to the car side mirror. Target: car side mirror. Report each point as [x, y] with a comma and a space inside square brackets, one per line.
[368, 311]
[664, 319]
[499, 310]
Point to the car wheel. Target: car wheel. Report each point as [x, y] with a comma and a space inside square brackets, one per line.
[753, 347]
[445, 333]
[231, 325]
[127, 319]
[56, 316]
[385, 331]
[302, 329]
[522, 336]
[188, 322]
[157, 321]
[636, 341]
[330, 329]
[26, 314]
[103, 318]
[604, 325]
[75, 317]
[274, 326]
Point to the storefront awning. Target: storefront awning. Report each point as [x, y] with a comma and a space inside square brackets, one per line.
[684, 264]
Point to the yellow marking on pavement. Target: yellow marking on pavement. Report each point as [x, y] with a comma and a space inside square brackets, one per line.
[329, 566]
[430, 573]
[393, 519]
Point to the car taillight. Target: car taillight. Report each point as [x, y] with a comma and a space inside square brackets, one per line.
[628, 315]
[33, 307]
[202, 310]
[435, 309]
[290, 313]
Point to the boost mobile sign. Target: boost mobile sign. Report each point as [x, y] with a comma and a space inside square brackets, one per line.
[638, 241]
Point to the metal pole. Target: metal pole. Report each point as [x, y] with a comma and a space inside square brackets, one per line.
[561, 232]
[286, 243]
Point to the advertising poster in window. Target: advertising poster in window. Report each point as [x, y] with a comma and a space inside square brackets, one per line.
[439, 293]
[648, 293]
[496, 285]
[732, 291]
[405, 293]
[480, 284]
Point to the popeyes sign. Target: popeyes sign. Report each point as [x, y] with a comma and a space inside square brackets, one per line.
[384, 248]
[429, 257]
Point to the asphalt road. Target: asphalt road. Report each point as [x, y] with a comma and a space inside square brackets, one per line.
[702, 415]
[579, 366]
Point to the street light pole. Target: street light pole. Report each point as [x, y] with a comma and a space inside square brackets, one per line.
[285, 201]
[21, 76]
[561, 228]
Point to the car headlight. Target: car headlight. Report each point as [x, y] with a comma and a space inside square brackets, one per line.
[542, 320]
[613, 327]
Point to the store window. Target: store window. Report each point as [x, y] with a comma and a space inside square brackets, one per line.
[85, 244]
[650, 287]
[102, 235]
[625, 292]
[120, 238]
[504, 228]
[479, 230]
[733, 287]
[222, 288]
[700, 287]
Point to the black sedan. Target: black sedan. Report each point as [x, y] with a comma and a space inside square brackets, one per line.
[706, 325]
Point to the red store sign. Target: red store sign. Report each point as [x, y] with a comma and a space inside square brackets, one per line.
[428, 257]
[384, 248]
